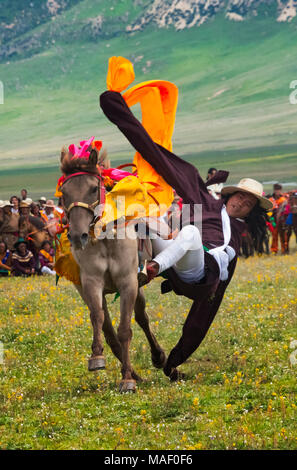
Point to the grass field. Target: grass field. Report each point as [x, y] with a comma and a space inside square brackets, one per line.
[240, 391]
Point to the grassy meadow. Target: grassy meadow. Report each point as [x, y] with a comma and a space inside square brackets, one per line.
[240, 390]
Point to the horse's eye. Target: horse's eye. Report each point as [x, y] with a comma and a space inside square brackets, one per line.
[94, 190]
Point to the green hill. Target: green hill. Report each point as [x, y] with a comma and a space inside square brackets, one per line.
[234, 87]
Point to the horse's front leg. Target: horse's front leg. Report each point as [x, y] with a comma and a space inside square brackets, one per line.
[92, 293]
[128, 293]
[112, 339]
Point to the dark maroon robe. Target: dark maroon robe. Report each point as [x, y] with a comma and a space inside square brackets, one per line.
[186, 180]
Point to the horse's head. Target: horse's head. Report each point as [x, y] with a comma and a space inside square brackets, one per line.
[81, 194]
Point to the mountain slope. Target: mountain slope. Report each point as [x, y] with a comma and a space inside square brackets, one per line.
[26, 29]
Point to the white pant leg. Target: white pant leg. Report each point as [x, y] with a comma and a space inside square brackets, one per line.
[185, 254]
[46, 270]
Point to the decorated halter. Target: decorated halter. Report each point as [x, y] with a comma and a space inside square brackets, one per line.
[82, 152]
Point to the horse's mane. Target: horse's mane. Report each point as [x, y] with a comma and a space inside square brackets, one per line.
[70, 165]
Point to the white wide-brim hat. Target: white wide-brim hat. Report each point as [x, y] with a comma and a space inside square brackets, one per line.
[248, 185]
[7, 203]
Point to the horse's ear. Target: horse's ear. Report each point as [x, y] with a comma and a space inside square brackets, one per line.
[63, 154]
[103, 160]
[93, 158]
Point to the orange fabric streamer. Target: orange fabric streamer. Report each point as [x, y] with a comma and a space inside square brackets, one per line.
[158, 101]
[65, 264]
[120, 74]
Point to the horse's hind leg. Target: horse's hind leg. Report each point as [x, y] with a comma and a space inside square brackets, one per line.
[112, 339]
[158, 355]
[128, 293]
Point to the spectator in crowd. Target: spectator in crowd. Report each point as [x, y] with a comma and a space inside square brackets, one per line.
[24, 208]
[42, 202]
[35, 210]
[277, 199]
[23, 263]
[211, 172]
[15, 201]
[5, 259]
[10, 226]
[46, 258]
[49, 212]
[24, 194]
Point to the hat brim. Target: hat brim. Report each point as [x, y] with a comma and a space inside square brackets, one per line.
[19, 242]
[263, 201]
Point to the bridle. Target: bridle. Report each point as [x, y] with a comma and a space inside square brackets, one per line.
[90, 207]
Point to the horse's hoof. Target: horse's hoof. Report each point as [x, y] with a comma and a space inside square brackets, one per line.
[127, 386]
[176, 375]
[96, 363]
[160, 361]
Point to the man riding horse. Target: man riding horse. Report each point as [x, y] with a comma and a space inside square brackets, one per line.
[197, 265]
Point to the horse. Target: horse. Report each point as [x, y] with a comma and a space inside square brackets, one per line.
[33, 229]
[106, 266]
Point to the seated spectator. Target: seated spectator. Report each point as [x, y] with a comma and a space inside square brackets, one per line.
[15, 201]
[23, 263]
[5, 260]
[46, 258]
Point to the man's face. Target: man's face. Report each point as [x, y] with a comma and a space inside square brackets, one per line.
[240, 204]
[25, 211]
[24, 193]
[22, 248]
[211, 174]
[277, 193]
[14, 201]
[49, 210]
[47, 247]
